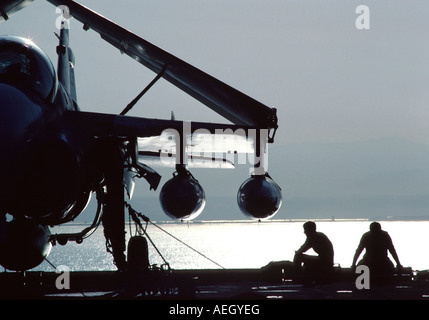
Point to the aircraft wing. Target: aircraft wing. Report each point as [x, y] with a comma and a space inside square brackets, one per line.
[232, 104]
[201, 149]
[161, 142]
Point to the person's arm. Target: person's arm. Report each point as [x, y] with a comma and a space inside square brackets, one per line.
[392, 251]
[358, 252]
[306, 246]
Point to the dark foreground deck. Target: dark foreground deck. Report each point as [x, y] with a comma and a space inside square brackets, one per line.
[224, 284]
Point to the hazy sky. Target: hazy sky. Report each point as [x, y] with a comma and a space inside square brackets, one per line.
[329, 80]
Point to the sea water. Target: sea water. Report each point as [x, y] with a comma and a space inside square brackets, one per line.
[238, 244]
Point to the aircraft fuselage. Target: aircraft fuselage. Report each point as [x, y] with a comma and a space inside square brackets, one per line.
[41, 170]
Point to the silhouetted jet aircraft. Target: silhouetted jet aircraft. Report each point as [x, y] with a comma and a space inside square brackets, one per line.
[55, 156]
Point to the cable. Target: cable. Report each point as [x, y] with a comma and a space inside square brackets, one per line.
[140, 230]
[56, 270]
[203, 255]
[147, 220]
[51, 264]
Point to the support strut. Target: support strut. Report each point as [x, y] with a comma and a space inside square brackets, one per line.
[132, 103]
[110, 157]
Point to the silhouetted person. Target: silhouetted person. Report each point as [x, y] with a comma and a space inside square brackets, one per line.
[377, 244]
[321, 244]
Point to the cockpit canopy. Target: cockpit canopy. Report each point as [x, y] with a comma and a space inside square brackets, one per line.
[22, 63]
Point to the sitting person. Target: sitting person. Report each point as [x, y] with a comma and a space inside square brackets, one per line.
[377, 243]
[313, 266]
[321, 244]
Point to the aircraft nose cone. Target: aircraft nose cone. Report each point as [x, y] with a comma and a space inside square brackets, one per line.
[20, 119]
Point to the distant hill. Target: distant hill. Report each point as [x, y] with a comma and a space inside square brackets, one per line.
[366, 179]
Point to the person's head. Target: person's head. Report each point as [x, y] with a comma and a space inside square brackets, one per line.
[375, 226]
[309, 227]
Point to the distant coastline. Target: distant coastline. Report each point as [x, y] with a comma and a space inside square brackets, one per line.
[292, 220]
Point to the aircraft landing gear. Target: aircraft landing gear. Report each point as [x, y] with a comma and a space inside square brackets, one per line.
[109, 156]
